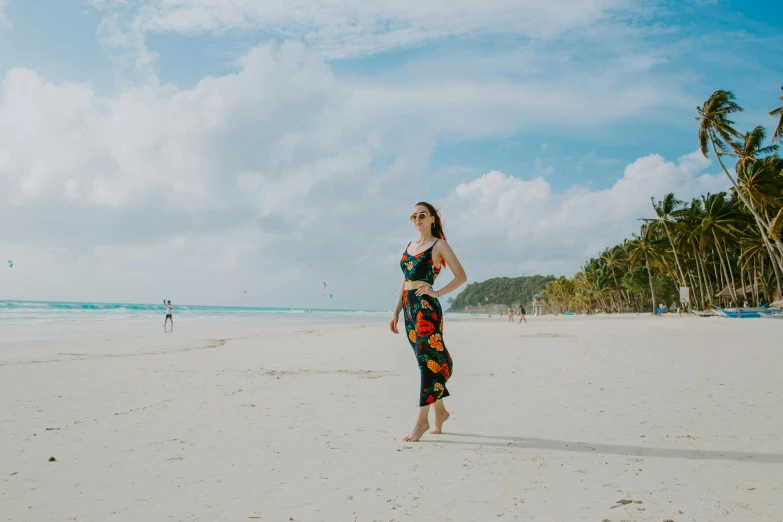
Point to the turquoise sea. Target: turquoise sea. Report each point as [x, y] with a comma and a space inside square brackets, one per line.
[29, 312]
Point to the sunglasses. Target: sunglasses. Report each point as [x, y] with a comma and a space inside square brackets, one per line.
[420, 215]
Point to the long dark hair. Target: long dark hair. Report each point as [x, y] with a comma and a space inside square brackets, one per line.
[437, 226]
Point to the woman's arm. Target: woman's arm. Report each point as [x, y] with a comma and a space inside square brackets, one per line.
[398, 306]
[397, 309]
[447, 254]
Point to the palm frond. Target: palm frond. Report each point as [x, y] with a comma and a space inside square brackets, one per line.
[704, 139]
[776, 227]
[777, 135]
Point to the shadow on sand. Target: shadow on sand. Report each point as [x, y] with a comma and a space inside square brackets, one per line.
[610, 449]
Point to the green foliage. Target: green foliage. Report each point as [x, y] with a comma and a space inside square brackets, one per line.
[636, 281]
[500, 290]
[725, 247]
[776, 228]
[666, 290]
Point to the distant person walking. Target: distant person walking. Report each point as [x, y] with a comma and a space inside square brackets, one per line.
[510, 314]
[522, 314]
[169, 315]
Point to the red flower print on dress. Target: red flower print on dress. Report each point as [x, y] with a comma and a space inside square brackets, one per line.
[444, 369]
[424, 327]
[430, 399]
[436, 342]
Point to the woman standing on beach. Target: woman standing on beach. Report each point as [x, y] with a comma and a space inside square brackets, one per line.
[423, 314]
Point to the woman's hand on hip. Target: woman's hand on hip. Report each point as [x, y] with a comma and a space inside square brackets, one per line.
[426, 290]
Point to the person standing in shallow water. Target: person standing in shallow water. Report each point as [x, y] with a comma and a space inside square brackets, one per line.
[421, 263]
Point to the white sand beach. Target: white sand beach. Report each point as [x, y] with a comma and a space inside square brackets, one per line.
[556, 420]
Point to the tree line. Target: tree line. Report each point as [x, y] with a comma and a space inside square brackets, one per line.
[726, 244]
[499, 290]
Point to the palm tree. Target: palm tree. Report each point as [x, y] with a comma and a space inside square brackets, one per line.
[688, 220]
[716, 129]
[749, 150]
[645, 247]
[755, 250]
[778, 113]
[718, 223]
[615, 260]
[716, 241]
[665, 210]
[762, 185]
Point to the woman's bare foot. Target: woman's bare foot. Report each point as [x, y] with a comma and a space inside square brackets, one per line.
[418, 431]
[440, 418]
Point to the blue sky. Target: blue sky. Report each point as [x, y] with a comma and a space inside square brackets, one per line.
[212, 118]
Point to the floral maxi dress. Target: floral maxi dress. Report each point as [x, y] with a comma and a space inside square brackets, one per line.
[424, 327]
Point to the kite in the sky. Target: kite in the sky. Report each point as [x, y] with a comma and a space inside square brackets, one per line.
[10, 264]
[244, 291]
[324, 285]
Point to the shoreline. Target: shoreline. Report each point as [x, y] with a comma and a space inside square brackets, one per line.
[89, 329]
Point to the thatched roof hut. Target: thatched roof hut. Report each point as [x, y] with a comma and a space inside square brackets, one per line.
[741, 292]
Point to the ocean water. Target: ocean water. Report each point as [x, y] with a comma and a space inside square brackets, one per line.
[39, 320]
[36, 312]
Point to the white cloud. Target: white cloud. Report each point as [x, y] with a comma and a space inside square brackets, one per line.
[360, 27]
[542, 231]
[279, 175]
[470, 108]
[279, 124]
[220, 177]
[65, 139]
